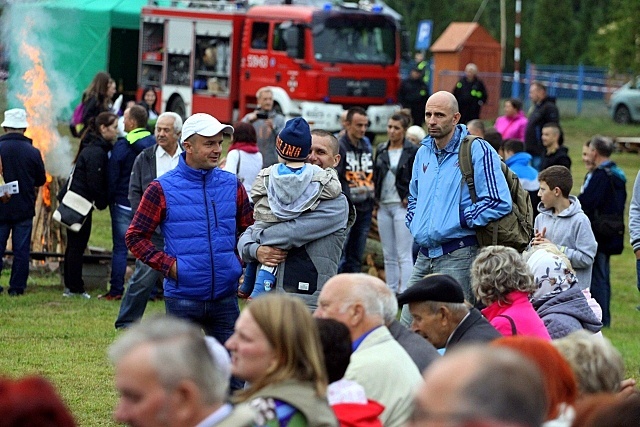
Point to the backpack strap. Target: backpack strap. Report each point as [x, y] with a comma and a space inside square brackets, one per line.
[466, 165]
[514, 331]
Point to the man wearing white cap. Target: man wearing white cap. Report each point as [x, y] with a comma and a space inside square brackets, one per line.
[22, 163]
[201, 210]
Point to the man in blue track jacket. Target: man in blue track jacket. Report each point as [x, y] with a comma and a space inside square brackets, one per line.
[440, 215]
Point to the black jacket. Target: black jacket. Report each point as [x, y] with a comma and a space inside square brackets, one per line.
[413, 94]
[471, 96]
[21, 162]
[403, 172]
[605, 194]
[559, 158]
[543, 113]
[90, 171]
[475, 328]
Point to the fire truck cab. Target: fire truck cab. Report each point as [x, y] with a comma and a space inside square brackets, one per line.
[317, 60]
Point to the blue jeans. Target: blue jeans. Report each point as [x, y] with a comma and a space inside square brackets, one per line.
[601, 285]
[141, 285]
[21, 242]
[354, 244]
[120, 220]
[217, 318]
[456, 264]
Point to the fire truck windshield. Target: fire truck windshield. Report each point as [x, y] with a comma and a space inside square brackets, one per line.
[356, 38]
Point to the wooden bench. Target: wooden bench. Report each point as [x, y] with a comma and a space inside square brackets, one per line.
[629, 144]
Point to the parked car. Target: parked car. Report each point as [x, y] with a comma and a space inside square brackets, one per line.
[624, 104]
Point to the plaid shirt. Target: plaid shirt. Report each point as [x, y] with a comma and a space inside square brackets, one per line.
[151, 213]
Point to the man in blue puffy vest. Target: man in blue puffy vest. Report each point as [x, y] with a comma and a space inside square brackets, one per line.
[201, 209]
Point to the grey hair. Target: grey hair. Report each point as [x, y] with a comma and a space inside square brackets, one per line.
[389, 305]
[362, 288]
[178, 352]
[498, 271]
[597, 364]
[603, 145]
[177, 121]
[457, 309]
[263, 90]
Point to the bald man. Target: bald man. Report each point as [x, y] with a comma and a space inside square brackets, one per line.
[441, 216]
[378, 363]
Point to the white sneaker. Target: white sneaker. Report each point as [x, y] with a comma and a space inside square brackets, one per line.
[67, 293]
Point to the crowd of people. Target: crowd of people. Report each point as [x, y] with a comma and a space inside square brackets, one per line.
[452, 333]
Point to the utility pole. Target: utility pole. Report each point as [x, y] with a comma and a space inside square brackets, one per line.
[516, 52]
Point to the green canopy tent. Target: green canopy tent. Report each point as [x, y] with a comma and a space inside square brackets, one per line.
[80, 38]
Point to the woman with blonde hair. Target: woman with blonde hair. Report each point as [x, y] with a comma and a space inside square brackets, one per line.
[502, 281]
[276, 348]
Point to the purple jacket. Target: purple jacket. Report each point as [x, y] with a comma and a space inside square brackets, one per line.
[519, 309]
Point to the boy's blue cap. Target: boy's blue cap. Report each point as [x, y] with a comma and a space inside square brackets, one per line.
[294, 141]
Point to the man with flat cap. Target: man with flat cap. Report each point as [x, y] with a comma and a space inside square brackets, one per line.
[201, 209]
[440, 314]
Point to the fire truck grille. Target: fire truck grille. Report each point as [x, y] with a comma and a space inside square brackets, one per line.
[359, 88]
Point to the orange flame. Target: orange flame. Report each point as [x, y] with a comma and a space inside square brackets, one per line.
[38, 103]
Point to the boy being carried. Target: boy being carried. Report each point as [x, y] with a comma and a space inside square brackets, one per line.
[285, 190]
[563, 223]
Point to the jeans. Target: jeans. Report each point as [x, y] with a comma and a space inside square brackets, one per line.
[141, 285]
[76, 244]
[456, 264]
[120, 220]
[601, 285]
[217, 318]
[354, 245]
[21, 242]
[397, 245]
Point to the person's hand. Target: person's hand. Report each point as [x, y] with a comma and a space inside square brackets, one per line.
[270, 256]
[252, 117]
[539, 238]
[5, 198]
[627, 387]
[173, 271]
[269, 123]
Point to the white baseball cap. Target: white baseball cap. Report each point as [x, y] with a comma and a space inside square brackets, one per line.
[15, 118]
[203, 124]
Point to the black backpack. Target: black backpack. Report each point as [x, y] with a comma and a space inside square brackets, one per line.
[514, 229]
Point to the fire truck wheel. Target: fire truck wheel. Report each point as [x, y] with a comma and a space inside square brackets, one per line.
[176, 104]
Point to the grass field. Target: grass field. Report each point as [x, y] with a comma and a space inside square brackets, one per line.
[66, 339]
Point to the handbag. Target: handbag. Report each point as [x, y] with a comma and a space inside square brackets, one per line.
[73, 209]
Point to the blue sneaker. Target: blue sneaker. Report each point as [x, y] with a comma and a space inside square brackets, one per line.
[265, 280]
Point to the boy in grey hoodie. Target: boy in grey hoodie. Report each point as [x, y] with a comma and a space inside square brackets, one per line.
[285, 190]
[563, 223]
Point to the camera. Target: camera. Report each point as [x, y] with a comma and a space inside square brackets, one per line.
[263, 116]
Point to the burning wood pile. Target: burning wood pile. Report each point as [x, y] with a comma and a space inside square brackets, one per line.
[47, 235]
[42, 112]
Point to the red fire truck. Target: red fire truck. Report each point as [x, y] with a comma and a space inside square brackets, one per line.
[213, 55]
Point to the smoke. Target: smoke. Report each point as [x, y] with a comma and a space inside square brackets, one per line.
[34, 84]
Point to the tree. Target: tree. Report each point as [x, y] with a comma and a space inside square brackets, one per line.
[616, 44]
